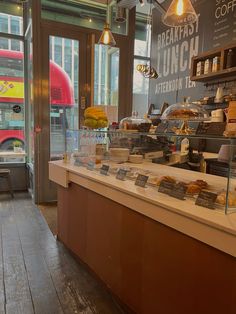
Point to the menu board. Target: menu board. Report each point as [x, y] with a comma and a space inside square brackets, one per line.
[173, 48]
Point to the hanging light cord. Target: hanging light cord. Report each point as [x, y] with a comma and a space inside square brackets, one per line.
[149, 26]
[107, 18]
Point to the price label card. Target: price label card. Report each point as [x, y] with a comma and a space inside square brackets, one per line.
[78, 163]
[178, 191]
[166, 187]
[104, 170]
[213, 128]
[121, 174]
[141, 180]
[206, 199]
[91, 165]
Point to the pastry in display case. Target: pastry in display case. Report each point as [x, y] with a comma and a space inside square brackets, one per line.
[126, 151]
[222, 198]
[185, 112]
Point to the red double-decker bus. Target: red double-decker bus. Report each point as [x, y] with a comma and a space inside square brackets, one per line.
[12, 98]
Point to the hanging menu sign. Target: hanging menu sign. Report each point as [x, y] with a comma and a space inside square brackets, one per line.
[174, 47]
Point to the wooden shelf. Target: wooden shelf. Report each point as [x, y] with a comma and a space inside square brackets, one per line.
[215, 75]
[222, 73]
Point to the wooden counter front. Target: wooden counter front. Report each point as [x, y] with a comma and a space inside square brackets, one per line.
[149, 265]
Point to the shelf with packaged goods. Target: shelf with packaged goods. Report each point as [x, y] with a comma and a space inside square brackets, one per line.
[223, 71]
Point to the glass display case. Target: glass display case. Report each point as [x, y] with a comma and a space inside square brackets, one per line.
[197, 169]
[185, 112]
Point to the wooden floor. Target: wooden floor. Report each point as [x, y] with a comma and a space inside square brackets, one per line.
[37, 274]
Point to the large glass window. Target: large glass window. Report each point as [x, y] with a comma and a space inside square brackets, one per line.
[141, 56]
[12, 117]
[106, 79]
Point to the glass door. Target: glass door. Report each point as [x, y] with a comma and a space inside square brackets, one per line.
[64, 95]
[64, 92]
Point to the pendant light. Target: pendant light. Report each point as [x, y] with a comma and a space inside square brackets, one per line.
[180, 13]
[107, 37]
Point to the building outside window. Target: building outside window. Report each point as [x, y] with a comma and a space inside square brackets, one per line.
[141, 56]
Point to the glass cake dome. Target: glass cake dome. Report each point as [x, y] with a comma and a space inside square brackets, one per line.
[185, 111]
[135, 123]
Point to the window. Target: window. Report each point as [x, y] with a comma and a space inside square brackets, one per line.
[64, 109]
[11, 24]
[57, 49]
[12, 117]
[68, 57]
[15, 25]
[106, 79]
[141, 56]
[15, 45]
[3, 23]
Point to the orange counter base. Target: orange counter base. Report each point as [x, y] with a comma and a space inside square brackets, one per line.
[150, 267]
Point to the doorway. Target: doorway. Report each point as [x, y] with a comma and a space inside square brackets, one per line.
[65, 94]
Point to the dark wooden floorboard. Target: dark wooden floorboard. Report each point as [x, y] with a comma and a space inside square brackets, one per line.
[37, 273]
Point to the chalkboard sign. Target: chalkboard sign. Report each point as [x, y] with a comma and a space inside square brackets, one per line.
[104, 170]
[178, 191]
[173, 49]
[212, 128]
[141, 180]
[121, 174]
[206, 199]
[175, 190]
[166, 187]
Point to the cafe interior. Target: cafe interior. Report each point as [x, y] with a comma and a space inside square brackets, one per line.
[118, 156]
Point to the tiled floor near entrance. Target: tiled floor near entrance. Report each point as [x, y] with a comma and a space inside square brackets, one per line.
[37, 274]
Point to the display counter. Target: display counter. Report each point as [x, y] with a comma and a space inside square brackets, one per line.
[153, 216]
[156, 253]
[212, 227]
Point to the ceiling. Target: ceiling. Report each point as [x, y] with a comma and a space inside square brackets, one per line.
[109, 1]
